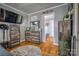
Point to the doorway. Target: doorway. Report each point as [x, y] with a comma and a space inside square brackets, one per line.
[48, 26]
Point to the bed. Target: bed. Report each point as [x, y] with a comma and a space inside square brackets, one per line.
[4, 52]
[29, 50]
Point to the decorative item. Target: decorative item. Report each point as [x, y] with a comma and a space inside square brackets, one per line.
[66, 17]
[4, 27]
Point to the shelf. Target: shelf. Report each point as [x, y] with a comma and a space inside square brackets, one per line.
[33, 33]
[33, 36]
[12, 42]
[14, 34]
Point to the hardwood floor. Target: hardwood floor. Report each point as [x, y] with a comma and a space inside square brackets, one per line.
[47, 48]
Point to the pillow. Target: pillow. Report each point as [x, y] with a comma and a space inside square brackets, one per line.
[4, 52]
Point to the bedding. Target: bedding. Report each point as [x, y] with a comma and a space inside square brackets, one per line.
[4, 52]
[29, 50]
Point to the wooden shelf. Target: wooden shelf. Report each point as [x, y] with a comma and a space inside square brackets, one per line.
[33, 36]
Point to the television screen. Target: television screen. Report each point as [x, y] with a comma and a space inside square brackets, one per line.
[11, 17]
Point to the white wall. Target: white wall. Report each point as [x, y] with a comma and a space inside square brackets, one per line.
[23, 28]
[59, 14]
[1, 35]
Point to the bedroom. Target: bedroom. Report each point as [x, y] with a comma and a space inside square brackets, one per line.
[33, 29]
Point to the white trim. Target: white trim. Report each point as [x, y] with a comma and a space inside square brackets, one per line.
[76, 27]
[47, 9]
[14, 8]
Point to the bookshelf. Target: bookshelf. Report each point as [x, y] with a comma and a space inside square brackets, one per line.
[14, 35]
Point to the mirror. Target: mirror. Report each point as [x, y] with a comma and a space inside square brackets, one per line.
[35, 25]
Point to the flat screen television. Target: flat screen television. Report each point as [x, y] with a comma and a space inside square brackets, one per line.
[11, 17]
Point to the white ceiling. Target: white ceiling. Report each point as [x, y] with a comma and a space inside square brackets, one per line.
[32, 7]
